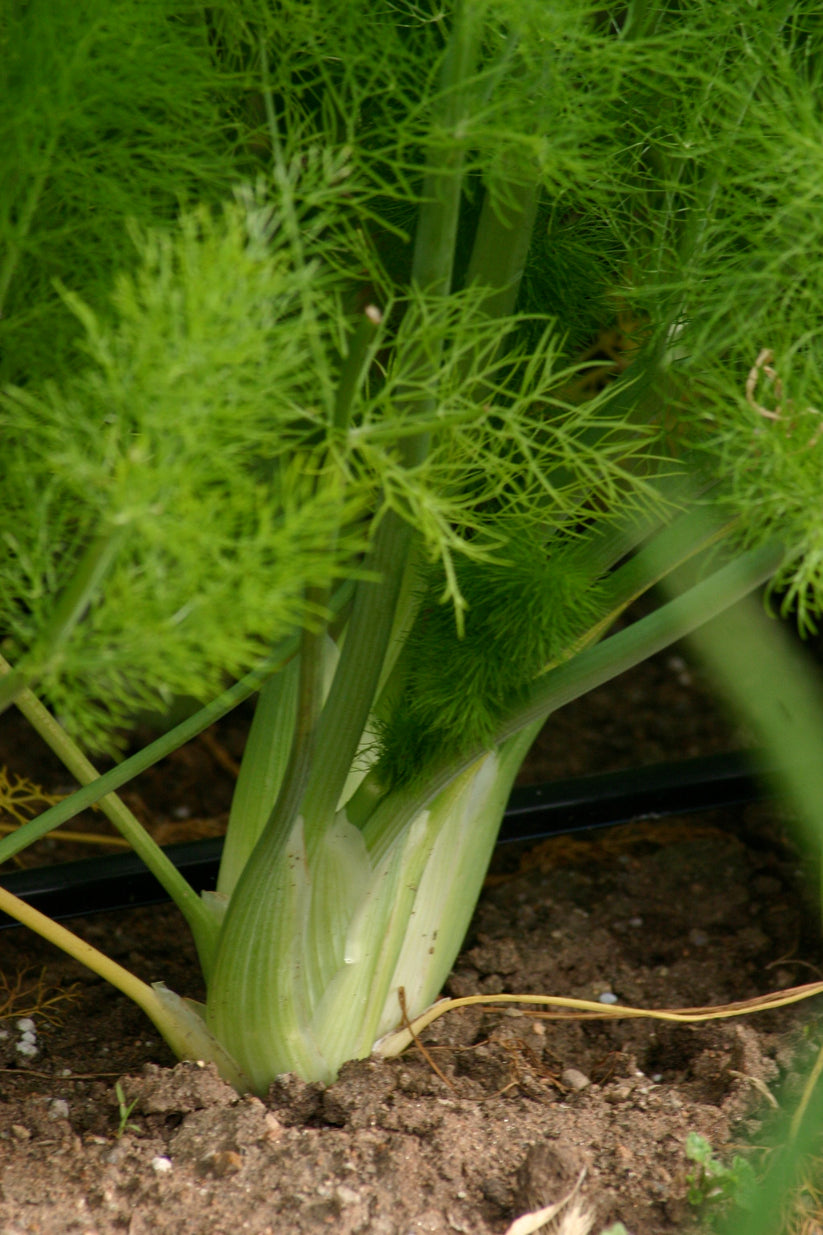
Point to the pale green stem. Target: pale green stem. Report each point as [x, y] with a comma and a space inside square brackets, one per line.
[89, 956]
[647, 636]
[361, 664]
[304, 736]
[776, 691]
[358, 674]
[11, 687]
[683, 540]
[163, 869]
[435, 239]
[436, 234]
[355, 366]
[501, 245]
[262, 769]
[106, 784]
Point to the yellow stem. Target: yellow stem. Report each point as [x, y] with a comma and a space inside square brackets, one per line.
[176, 1019]
[89, 956]
[394, 1043]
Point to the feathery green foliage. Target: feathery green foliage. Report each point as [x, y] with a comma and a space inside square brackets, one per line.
[164, 443]
[110, 112]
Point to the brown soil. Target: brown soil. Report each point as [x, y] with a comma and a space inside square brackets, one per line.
[688, 912]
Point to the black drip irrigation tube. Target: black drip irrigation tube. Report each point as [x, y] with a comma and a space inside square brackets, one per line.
[121, 881]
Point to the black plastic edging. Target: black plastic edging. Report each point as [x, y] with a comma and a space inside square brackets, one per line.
[121, 881]
[656, 791]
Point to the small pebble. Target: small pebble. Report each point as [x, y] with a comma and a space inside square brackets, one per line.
[161, 1165]
[620, 1093]
[58, 1109]
[572, 1078]
[27, 1049]
[26, 1025]
[607, 997]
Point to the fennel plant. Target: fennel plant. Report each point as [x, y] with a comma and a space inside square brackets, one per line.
[296, 309]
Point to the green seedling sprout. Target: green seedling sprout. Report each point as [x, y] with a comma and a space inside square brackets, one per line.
[294, 305]
[124, 1110]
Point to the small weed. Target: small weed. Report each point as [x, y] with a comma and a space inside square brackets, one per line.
[124, 1110]
[712, 1181]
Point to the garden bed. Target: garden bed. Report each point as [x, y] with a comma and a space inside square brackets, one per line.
[691, 911]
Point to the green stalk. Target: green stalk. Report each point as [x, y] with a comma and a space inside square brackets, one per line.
[583, 673]
[435, 240]
[501, 246]
[353, 690]
[775, 690]
[262, 770]
[356, 365]
[352, 695]
[688, 536]
[98, 788]
[436, 234]
[679, 542]
[68, 610]
[12, 685]
[646, 637]
[195, 912]
[304, 734]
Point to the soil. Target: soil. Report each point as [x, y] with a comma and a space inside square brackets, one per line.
[693, 911]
